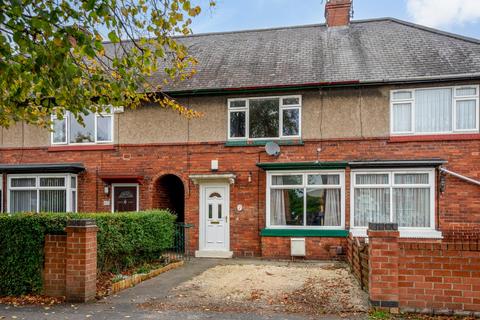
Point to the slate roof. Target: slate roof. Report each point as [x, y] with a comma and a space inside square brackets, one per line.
[366, 51]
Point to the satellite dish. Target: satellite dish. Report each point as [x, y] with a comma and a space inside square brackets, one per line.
[272, 149]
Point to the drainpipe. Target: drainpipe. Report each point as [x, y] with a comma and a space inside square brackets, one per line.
[460, 176]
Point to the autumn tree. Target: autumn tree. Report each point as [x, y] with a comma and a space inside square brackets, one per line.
[84, 56]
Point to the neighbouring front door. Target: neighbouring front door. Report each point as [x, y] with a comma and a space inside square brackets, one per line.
[124, 198]
[215, 216]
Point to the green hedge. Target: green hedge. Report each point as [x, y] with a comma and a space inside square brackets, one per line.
[124, 240]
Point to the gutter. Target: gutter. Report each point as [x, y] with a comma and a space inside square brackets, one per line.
[325, 84]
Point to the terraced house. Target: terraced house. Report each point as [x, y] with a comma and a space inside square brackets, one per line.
[308, 134]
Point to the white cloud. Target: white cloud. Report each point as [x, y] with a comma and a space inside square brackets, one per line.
[444, 13]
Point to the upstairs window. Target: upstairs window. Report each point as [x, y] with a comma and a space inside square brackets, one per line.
[435, 110]
[264, 118]
[96, 128]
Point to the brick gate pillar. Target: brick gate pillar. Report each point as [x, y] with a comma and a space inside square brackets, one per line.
[81, 261]
[383, 264]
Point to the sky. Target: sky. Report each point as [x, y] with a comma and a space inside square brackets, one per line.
[456, 16]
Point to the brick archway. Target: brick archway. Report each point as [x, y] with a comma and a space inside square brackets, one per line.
[170, 194]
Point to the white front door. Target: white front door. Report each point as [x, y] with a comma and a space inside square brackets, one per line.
[214, 213]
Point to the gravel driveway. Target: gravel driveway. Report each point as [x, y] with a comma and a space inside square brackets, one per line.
[300, 288]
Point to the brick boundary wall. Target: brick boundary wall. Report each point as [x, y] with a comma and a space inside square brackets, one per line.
[357, 258]
[431, 276]
[70, 267]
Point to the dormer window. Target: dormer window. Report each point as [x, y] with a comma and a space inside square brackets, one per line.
[97, 128]
[264, 118]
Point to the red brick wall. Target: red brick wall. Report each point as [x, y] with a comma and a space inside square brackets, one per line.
[316, 247]
[458, 211]
[54, 267]
[439, 275]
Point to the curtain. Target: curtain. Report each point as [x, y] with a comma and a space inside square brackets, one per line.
[371, 205]
[465, 114]
[53, 201]
[277, 208]
[411, 207]
[402, 117]
[332, 204]
[23, 201]
[433, 110]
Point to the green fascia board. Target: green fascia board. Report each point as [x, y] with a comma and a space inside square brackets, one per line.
[254, 143]
[302, 165]
[304, 233]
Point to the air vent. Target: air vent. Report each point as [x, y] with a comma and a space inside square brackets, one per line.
[297, 247]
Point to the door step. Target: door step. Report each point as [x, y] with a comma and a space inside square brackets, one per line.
[213, 254]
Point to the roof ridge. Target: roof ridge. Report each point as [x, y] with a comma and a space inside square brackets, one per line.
[434, 30]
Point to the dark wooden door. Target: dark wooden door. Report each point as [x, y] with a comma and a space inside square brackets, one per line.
[125, 198]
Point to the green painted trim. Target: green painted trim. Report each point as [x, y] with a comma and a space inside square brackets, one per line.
[302, 165]
[303, 233]
[254, 143]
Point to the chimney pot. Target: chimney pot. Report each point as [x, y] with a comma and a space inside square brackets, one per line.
[337, 12]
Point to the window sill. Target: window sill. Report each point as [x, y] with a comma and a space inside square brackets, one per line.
[435, 137]
[253, 143]
[413, 234]
[334, 233]
[61, 148]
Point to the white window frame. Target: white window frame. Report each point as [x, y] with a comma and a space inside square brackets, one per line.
[282, 107]
[305, 185]
[125, 185]
[407, 232]
[455, 99]
[67, 119]
[67, 187]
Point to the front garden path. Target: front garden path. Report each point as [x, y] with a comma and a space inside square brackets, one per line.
[178, 295]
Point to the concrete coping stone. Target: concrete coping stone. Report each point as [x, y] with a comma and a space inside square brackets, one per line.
[81, 223]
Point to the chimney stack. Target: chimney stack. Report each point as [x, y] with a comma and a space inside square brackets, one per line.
[337, 12]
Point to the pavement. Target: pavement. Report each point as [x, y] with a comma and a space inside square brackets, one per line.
[124, 305]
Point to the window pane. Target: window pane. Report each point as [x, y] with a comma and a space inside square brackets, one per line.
[323, 207]
[371, 205]
[286, 207]
[291, 122]
[399, 95]
[59, 131]
[23, 182]
[80, 133]
[291, 101]
[433, 110]
[52, 182]
[411, 207]
[411, 178]
[73, 182]
[371, 178]
[287, 180]
[465, 114]
[323, 179]
[104, 128]
[238, 104]
[53, 201]
[237, 124]
[461, 92]
[74, 201]
[264, 118]
[219, 211]
[402, 117]
[23, 201]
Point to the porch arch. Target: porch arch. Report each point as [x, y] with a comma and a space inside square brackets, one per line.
[169, 193]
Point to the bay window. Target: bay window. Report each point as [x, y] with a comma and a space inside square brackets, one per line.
[405, 197]
[435, 110]
[306, 200]
[96, 128]
[264, 118]
[42, 193]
